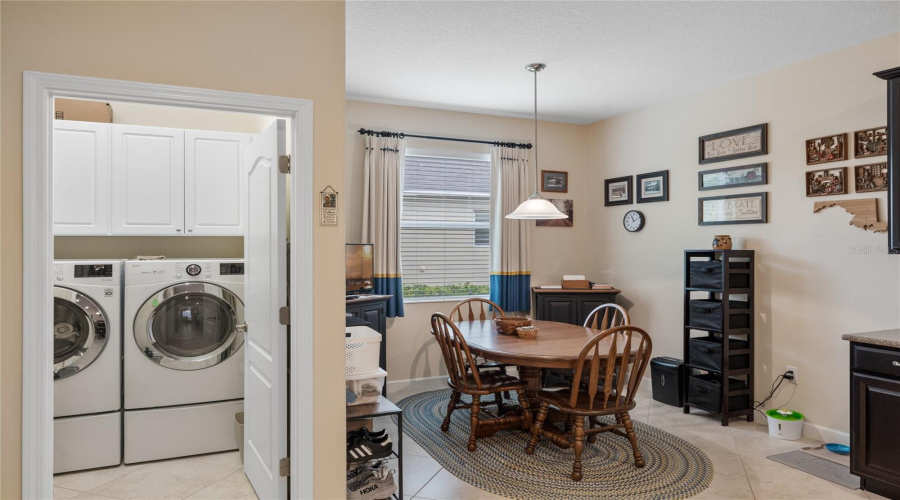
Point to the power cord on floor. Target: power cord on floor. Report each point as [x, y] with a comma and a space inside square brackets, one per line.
[788, 375]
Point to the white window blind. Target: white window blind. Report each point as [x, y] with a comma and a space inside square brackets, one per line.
[445, 226]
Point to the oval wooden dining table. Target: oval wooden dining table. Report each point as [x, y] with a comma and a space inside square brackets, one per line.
[556, 346]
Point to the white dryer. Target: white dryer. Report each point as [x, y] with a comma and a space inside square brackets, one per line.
[184, 358]
[87, 364]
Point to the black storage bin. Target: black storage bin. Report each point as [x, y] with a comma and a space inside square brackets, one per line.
[707, 314]
[705, 392]
[706, 353]
[667, 376]
[705, 274]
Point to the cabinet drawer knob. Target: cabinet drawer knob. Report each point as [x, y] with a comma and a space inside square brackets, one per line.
[896, 363]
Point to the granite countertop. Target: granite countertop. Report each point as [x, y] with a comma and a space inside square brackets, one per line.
[886, 338]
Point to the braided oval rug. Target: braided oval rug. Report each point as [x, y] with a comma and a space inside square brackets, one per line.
[675, 468]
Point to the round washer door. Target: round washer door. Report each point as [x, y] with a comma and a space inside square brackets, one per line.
[190, 326]
[79, 332]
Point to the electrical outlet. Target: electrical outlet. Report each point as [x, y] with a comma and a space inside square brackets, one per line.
[796, 379]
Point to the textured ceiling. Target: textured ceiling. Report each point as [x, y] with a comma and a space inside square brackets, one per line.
[603, 58]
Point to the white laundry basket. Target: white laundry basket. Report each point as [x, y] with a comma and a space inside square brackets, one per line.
[785, 424]
[362, 350]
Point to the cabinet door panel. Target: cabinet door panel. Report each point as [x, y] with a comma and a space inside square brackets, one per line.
[560, 309]
[213, 184]
[587, 305]
[875, 443]
[148, 181]
[80, 178]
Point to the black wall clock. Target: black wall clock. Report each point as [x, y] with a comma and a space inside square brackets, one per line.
[634, 221]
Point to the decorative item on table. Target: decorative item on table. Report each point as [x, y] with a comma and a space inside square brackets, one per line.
[872, 177]
[653, 187]
[865, 212]
[785, 424]
[506, 325]
[734, 144]
[618, 191]
[554, 181]
[527, 332]
[826, 149]
[575, 282]
[826, 182]
[564, 206]
[721, 242]
[723, 178]
[870, 142]
[747, 208]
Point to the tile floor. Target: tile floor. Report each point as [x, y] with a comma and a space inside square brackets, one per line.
[217, 476]
[738, 452]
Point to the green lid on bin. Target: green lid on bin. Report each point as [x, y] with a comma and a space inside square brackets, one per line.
[781, 414]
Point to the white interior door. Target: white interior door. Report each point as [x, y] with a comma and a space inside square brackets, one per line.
[265, 354]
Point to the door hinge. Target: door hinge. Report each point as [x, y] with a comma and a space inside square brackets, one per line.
[284, 164]
[284, 467]
[284, 315]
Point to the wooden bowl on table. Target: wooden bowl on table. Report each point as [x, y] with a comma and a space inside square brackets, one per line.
[506, 325]
[527, 332]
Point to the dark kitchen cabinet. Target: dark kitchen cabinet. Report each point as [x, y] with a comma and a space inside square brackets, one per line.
[569, 306]
[874, 408]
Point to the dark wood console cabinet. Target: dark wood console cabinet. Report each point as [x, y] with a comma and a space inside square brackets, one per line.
[874, 408]
[568, 306]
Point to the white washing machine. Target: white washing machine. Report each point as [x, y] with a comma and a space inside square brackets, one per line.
[87, 364]
[184, 357]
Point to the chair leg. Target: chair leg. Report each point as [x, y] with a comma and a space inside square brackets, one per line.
[498, 400]
[475, 410]
[629, 430]
[579, 446]
[454, 400]
[527, 419]
[536, 428]
[592, 422]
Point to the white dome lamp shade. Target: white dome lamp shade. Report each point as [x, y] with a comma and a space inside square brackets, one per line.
[536, 207]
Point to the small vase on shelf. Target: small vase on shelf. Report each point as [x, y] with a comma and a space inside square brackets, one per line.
[721, 242]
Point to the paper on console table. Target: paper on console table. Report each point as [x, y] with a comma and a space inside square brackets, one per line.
[551, 287]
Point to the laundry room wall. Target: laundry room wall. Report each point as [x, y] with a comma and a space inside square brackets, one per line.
[291, 49]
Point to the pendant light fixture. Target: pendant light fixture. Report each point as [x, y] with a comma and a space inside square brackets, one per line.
[536, 207]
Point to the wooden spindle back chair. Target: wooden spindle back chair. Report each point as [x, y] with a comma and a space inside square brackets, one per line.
[475, 309]
[465, 378]
[607, 316]
[611, 365]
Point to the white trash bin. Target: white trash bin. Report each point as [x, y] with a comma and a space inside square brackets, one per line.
[785, 424]
[239, 432]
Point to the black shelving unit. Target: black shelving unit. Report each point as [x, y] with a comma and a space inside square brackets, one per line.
[384, 408]
[720, 301]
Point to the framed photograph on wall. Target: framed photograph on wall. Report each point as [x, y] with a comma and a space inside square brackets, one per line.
[872, 177]
[565, 206]
[870, 142]
[554, 181]
[653, 187]
[618, 191]
[826, 182]
[723, 178]
[826, 149]
[747, 208]
[734, 144]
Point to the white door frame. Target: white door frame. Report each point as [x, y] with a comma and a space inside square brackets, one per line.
[37, 291]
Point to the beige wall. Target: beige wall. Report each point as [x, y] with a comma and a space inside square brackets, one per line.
[811, 285]
[292, 49]
[555, 250]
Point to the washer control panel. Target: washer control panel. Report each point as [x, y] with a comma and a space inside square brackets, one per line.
[193, 269]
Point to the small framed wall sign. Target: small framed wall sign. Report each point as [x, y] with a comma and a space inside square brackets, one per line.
[826, 182]
[723, 178]
[869, 178]
[870, 142]
[747, 208]
[653, 187]
[329, 211]
[733, 144]
[618, 191]
[554, 181]
[826, 149]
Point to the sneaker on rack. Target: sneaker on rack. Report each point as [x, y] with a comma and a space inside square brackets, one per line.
[365, 449]
[364, 432]
[372, 486]
[359, 470]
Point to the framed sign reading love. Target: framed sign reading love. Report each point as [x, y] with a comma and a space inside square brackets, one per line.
[733, 144]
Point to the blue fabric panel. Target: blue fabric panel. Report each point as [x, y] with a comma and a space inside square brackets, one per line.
[391, 286]
[511, 291]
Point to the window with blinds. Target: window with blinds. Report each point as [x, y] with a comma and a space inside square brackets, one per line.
[444, 234]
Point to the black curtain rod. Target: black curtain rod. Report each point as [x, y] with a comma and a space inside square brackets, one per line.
[401, 135]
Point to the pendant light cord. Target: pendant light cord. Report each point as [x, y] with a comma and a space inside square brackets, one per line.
[536, 186]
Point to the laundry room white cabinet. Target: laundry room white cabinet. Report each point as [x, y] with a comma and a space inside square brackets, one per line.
[147, 181]
[214, 182]
[80, 178]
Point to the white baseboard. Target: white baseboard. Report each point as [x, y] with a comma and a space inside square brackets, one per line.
[824, 434]
[415, 385]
